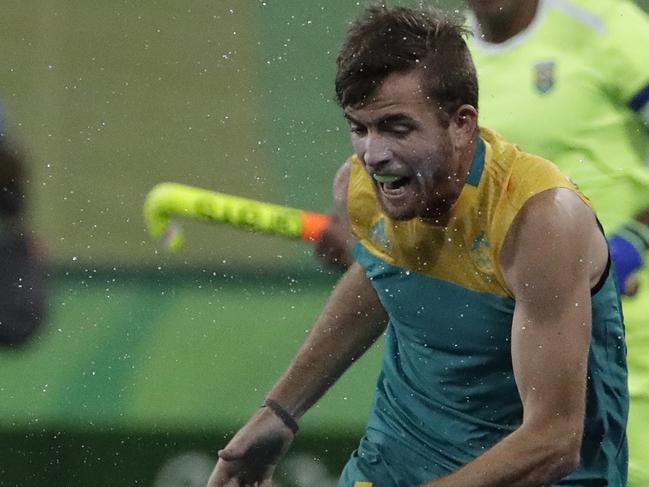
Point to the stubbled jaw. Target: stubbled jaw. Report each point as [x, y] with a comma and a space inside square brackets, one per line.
[404, 197]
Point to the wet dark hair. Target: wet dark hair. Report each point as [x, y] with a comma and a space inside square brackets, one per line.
[386, 40]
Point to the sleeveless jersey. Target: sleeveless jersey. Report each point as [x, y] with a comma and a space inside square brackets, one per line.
[446, 391]
[574, 88]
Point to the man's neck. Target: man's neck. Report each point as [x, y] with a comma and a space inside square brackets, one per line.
[502, 26]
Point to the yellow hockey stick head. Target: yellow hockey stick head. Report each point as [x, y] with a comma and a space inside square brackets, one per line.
[157, 210]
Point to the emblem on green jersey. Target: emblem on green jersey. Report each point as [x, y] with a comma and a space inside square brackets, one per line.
[544, 76]
[377, 235]
[481, 254]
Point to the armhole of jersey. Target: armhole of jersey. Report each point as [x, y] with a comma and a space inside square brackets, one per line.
[357, 251]
[504, 231]
[602, 280]
[607, 269]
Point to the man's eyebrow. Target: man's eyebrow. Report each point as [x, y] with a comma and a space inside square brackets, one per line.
[393, 118]
[397, 118]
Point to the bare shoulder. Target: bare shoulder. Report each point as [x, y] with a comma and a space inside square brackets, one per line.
[340, 185]
[341, 181]
[557, 213]
[554, 237]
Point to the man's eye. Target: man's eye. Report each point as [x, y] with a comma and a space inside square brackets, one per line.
[400, 129]
[356, 129]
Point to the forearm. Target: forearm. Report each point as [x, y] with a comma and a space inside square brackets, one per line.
[350, 322]
[529, 457]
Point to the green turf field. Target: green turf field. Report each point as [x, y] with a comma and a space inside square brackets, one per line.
[151, 363]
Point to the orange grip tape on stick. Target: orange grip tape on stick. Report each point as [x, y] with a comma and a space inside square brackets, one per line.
[314, 225]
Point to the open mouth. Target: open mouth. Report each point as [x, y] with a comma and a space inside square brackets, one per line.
[390, 184]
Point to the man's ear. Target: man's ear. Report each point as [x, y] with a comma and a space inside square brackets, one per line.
[463, 125]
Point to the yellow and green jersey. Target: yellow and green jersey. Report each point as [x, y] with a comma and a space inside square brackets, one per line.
[446, 392]
[574, 88]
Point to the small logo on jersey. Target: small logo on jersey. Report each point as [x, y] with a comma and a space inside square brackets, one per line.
[377, 235]
[481, 254]
[544, 76]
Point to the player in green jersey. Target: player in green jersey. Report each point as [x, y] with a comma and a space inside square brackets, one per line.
[504, 350]
[569, 80]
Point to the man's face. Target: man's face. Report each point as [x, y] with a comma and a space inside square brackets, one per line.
[405, 149]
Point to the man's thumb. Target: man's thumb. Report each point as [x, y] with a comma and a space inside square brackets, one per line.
[230, 454]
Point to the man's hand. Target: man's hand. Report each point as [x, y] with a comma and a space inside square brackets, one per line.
[349, 324]
[251, 456]
[336, 244]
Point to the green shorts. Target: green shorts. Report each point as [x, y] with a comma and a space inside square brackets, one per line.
[382, 462]
[373, 464]
[367, 468]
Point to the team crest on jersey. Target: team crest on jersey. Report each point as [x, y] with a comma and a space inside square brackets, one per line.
[377, 235]
[481, 254]
[544, 72]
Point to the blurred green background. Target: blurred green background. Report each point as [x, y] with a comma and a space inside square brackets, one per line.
[114, 97]
[148, 356]
[110, 98]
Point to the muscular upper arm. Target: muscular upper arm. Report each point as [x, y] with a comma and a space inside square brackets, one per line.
[553, 255]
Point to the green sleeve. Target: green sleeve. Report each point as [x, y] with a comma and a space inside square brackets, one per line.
[625, 61]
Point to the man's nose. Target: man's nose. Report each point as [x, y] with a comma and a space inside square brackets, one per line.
[377, 153]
